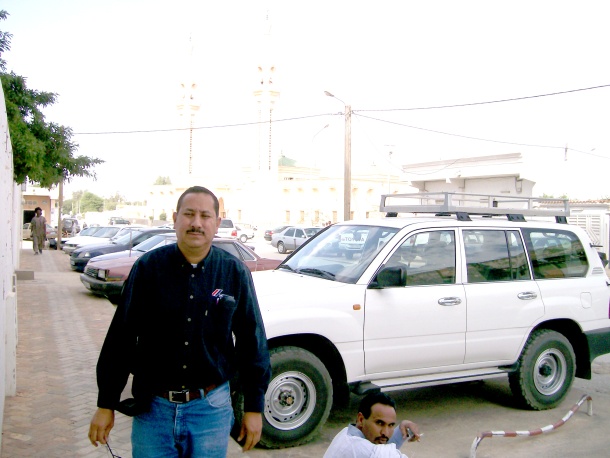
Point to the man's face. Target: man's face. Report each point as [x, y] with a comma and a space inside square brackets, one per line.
[379, 427]
[196, 222]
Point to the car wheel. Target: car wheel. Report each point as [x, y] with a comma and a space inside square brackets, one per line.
[546, 371]
[281, 248]
[243, 238]
[298, 400]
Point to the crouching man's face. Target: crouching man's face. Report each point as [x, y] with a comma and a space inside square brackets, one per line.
[379, 427]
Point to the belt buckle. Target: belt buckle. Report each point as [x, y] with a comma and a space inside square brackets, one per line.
[178, 397]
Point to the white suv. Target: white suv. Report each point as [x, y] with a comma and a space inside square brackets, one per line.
[227, 229]
[431, 300]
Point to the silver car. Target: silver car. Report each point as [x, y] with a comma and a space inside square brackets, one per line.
[292, 237]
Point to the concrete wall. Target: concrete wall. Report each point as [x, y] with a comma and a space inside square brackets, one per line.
[10, 237]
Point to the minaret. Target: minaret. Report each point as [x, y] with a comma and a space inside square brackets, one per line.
[266, 94]
[188, 104]
[264, 176]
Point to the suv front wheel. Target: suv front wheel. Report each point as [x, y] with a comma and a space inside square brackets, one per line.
[546, 371]
[298, 400]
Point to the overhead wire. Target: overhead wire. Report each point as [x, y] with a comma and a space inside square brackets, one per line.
[358, 113]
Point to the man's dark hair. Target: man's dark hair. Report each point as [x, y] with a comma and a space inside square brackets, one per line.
[37, 208]
[374, 398]
[200, 190]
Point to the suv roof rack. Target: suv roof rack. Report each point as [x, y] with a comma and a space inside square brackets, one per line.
[462, 205]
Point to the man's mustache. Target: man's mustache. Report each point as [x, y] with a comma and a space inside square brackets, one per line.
[197, 231]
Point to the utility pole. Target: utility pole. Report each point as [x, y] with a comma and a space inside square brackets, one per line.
[347, 173]
[347, 160]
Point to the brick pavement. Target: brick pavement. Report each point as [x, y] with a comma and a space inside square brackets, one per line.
[60, 331]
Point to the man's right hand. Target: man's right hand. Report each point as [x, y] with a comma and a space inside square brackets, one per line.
[101, 424]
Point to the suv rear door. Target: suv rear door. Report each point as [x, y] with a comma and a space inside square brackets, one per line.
[504, 301]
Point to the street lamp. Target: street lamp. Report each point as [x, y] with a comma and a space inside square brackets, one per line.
[347, 160]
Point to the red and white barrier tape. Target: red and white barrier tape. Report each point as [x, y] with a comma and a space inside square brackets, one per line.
[533, 432]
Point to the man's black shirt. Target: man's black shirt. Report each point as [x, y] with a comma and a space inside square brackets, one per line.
[183, 327]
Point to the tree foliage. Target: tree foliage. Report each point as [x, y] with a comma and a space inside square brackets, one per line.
[43, 152]
[162, 180]
[90, 202]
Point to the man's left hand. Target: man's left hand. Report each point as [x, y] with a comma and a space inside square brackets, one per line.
[405, 425]
[251, 429]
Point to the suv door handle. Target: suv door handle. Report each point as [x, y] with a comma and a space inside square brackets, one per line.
[527, 295]
[450, 301]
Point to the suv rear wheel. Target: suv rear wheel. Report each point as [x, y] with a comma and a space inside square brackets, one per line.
[546, 371]
[298, 400]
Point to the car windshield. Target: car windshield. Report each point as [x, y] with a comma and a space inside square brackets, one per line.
[154, 242]
[89, 231]
[340, 253]
[125, 239]
[107, 232]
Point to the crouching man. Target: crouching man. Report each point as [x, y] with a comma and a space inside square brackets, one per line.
[375, 433]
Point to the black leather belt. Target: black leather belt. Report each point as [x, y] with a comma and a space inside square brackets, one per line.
[183, 396]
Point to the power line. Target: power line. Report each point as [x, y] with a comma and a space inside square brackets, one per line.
[478, 138]
[220, 126]
[488, 102]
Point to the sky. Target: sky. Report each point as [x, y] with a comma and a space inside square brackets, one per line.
[117, 66]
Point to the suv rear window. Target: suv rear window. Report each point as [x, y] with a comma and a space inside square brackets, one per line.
[226, 224]
[556, 254]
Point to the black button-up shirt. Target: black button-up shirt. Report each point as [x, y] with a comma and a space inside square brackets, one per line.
[180, 326]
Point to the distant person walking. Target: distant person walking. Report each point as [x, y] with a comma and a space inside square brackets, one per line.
[38, 228]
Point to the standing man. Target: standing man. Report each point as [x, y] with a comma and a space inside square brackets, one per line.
[188, 318]
[38, 229]
[375, 433]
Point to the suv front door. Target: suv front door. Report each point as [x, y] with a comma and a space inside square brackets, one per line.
[423, 324]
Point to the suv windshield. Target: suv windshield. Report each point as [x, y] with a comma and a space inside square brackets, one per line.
[334, 254]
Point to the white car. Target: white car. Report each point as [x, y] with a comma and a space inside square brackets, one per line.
[431, 300]
[101, 234]
[244, 234]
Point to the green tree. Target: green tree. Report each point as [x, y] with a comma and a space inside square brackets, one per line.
[110, 203]
[162, 180]
[42, 151]
[163, 217]
[90, 202]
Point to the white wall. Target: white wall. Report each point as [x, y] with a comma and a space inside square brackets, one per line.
[10, 237]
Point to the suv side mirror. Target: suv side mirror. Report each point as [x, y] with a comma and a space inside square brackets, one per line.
[390, 277]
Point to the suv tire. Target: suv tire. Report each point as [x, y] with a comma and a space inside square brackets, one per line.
[243, 238]
[298, 400]
[546, 371]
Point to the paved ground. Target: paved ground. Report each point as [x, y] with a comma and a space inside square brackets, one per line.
[61, 328]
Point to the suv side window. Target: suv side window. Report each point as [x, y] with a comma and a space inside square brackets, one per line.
[429, 258]
[555, 254]
[488, 257]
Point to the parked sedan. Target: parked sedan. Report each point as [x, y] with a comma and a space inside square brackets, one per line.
[292, 237]
[81, 256]
[269, 232]
[103, 234]
[104, 275]
[84, 232]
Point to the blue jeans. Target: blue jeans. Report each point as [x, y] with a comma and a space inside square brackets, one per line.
[195, 429]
